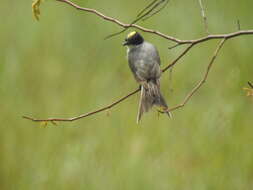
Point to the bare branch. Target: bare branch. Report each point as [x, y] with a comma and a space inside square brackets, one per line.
[110, 105]
[144, 14]
[174, 46]
[150, 14]
[146, 8]
[217, 36]
[179, 57]
[86, 114]
[203, 80]
[250, 84]
[173, 39]
[203, 16]
[178, 42]
[151, 10]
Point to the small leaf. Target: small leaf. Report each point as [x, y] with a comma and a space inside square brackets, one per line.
[43, 124]
[249, 91]
[36, 9]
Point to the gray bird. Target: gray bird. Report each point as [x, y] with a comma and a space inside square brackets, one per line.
[144, 62]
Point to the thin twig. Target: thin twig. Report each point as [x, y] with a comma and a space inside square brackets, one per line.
[179, 57]
[158, 10]
[116, 33]
[202, 81]
[143, 15]
[173, 39]
[172, 47]
[203, 16]
[250, 84]
[150, 10]
[86, 114]
[146, 8]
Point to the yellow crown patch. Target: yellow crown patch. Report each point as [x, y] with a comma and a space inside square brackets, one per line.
[131, 34]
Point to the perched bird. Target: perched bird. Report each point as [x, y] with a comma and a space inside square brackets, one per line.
[144, 62]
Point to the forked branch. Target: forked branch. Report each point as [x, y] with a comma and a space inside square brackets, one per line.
[110, 105]
[178, 42]
[155, 32]
[187, 98]
[203, 80]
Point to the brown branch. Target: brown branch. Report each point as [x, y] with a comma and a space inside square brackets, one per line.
[202, 81]
[187, 98]
[191, 43]
[86, 114]
[203, 16]
[173, 39]
[110, 105]
[179, 57]
[214, 36]
[113, 20]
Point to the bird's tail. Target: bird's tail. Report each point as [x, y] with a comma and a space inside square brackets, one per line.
[150, 96]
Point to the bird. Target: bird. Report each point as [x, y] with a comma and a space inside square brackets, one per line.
[144, 62]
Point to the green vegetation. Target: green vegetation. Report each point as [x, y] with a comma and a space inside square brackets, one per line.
[62, 67]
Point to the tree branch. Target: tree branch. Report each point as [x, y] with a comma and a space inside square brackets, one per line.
[170, 38]
[178, 42]
[187, 98]
[110, 105]
[179, 57]
[203, 80]
[86, 114]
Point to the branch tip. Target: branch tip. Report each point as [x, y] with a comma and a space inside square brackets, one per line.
[172, 47]
[250, 84]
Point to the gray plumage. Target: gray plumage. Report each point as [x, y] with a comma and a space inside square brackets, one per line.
[144, 62]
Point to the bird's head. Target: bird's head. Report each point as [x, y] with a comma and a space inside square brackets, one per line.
[133, 39]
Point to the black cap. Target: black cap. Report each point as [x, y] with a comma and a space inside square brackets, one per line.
[133, 38]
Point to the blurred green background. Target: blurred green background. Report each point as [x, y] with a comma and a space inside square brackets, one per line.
[62, 67]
